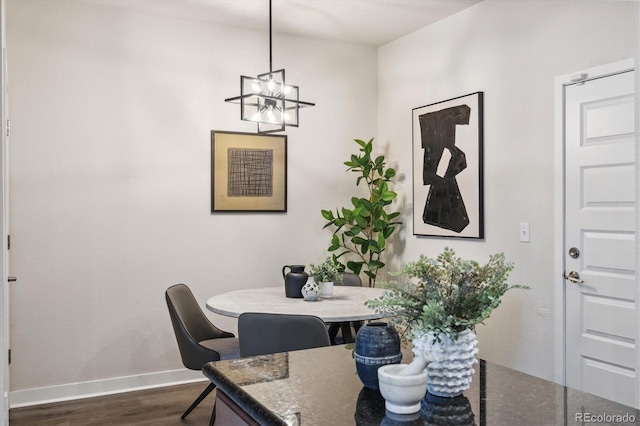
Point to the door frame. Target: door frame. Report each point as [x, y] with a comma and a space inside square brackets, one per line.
[560, 84]
[4, 267]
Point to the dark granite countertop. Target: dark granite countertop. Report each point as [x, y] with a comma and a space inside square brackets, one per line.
[321, 387]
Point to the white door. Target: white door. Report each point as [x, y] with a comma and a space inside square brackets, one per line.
[599, 238]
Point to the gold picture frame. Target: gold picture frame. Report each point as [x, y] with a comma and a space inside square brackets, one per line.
[248, 172]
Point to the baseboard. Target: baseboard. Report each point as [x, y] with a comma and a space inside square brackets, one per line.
[67, 392]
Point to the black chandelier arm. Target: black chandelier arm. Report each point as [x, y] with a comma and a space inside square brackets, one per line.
[301, 104]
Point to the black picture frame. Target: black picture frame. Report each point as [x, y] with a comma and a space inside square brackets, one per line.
[248, 172]
[448, 168]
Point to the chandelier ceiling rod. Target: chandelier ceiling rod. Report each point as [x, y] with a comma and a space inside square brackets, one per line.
[270, 42]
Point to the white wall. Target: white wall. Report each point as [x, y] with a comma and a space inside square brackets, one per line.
[510, 50]
[111, 112]
[111, 115]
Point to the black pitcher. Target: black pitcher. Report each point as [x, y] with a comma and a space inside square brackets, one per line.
[294, 280]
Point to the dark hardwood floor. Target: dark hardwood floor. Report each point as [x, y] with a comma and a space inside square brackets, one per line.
[160, 406]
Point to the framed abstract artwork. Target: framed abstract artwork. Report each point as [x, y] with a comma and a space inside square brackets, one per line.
[248, 172]
[448, 168]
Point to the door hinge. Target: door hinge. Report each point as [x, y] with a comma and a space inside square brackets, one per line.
[8, 127]
[9, 356]
[8, 242]
[579, 78]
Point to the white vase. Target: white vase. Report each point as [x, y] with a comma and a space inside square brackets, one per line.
[452, 360]
[402, 394]
[310, 290]
[326, 289]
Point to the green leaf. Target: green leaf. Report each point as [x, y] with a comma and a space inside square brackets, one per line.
[380, 225]
[388, 231]
[360, 142]
[376, 264]
[361, 221]
[356, 267]
[335, 243]
[373, 247]
[358, 240]
[368, 147]
[327, 214]
[346, 212]
[393, 215]
[366, 203]
[389, 195]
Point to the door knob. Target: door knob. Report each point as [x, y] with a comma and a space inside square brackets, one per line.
[573, 276]
[574, 252]
[12, 279]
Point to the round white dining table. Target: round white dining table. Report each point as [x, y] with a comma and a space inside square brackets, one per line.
[347, 303]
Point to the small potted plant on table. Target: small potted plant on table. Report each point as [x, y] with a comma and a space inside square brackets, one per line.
[324, 274]
[437, 303]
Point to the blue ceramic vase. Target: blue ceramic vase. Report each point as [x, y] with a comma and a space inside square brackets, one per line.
[377, 344]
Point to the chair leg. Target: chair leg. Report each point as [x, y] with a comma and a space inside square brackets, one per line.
[346, 332]
[199, 399]
[333, 332]
[357, 325]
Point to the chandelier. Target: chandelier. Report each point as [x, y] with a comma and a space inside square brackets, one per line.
[267, 100]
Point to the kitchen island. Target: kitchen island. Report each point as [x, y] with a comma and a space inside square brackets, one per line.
[321, 387]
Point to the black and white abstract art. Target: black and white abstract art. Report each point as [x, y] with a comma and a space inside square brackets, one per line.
[250, 172]
[448, 169]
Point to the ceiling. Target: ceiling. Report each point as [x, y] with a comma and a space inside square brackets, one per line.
[367, 22]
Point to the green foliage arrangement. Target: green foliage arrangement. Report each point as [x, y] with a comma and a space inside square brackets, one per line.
[451, 294]
[325, 272]
[361, 232]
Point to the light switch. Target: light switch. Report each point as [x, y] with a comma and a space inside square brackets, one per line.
[524, 232]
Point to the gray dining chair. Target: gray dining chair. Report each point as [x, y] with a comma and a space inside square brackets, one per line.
[199, 341]
[261, 333]
[353, 280]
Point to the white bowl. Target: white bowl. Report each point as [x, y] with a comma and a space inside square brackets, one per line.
[402, 394]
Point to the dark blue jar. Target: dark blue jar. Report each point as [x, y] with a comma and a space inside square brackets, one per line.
[377, 344]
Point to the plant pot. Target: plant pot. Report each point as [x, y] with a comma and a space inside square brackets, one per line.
[377, 344]
[451, 368]
[402, 394]
[326, 289]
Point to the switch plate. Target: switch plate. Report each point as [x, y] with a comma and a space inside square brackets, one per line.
[524, 232]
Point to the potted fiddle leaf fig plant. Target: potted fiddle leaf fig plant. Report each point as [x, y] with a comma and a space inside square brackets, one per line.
[360, 232]
[324, 274]
[437, 303]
